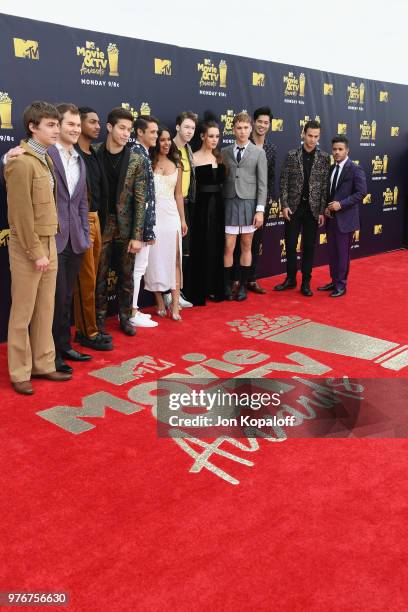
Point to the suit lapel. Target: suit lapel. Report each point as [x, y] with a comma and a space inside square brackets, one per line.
[81, 175]
[300, 160]
[247, 154]
[344, 173]
[56, 158]
[229, 151]
[123, 172]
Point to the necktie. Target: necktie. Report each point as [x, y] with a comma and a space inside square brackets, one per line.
[239, 154]
[334, 182]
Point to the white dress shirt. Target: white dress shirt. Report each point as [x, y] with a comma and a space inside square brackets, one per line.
[341, 166]
[236, 147]
[71, 163]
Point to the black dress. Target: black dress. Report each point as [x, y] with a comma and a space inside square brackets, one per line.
[207, 253]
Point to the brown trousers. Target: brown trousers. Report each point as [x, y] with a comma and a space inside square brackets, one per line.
[84, 292]
[30, 344]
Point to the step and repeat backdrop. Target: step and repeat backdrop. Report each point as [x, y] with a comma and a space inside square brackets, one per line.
[61, 64]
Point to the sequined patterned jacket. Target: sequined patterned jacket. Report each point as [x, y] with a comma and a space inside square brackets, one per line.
[131, 194]
[150, 198]
[291, 181]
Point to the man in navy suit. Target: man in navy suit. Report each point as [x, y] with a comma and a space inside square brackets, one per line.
[347, 189]
[72, 239]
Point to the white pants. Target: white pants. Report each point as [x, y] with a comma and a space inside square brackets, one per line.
[141, 260]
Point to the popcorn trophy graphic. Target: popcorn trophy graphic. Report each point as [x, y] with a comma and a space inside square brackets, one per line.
[304, 333]
[302, 84]
[5, 111]
[113, 57]
[223, 73]
[361, 93]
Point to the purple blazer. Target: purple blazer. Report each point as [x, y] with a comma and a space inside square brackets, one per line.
[72, 211]
[351, 188]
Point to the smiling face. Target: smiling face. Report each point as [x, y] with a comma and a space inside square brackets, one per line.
[70, 128]
[211, 138]
[164, 142]
[262, 125]
[148, 137]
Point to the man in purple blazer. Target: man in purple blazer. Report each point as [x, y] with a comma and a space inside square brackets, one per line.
[347, 189]
[72, 239]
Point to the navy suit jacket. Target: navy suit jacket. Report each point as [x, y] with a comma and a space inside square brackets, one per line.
[351, 188]
[72, 211]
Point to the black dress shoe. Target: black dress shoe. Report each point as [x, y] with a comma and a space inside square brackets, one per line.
[255, 287]
[97, 343]
[61, 366]
[242, 293]
[288, 283]
[74, 355]
[305, 289]
[338, 293]
[80, 336]
[127, 328]
[328, 287]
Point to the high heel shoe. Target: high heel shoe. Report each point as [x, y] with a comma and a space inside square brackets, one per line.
[161, 313]
[174, 316]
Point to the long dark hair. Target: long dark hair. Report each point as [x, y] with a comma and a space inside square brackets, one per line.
[209, 120]
[173, 153]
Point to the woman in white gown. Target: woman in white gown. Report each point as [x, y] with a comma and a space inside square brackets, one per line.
[164, 268]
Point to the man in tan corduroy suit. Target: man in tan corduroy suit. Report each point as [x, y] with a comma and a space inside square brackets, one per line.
[33, 222]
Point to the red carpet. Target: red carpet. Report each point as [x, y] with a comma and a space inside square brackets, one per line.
[122, 520]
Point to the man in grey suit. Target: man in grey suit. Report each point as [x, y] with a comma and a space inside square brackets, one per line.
[244, 190]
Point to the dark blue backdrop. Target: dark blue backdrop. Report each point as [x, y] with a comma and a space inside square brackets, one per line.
[56, 63]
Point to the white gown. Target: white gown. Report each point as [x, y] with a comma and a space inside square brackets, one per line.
[160, 274]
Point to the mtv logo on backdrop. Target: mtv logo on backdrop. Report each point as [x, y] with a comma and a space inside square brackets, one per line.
[26, 48]
[277, 125]
[4, 237]
[328, 89]
[395, 130]
[258, 79]
[383, 97]
[367, 199]
[162, 66]
[378, 229]
[342, 128]
[323, 239]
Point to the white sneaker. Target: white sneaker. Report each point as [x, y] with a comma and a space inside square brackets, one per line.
[184, 303]
[142, 321]
[144, 314]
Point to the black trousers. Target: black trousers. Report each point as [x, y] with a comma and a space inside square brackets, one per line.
[302, 221]
[255, 250]
[68, 268]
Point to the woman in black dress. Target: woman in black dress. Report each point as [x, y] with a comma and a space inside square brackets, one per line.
[209, 232]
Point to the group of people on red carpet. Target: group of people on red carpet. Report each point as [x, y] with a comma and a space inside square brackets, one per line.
[186, 219]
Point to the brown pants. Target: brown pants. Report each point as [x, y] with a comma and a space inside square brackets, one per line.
[84, 292]
[30, 344]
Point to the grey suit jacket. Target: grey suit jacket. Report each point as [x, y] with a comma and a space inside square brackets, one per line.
[249, 179]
